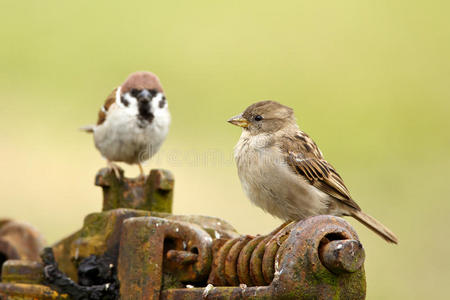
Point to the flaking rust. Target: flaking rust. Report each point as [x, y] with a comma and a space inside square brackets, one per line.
[157, 255]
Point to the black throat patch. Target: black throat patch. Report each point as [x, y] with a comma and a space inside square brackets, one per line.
[145, 115]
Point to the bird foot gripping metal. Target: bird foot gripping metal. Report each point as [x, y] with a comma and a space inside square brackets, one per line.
[158, 255]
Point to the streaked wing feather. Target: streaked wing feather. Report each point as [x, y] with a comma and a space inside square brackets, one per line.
[307, 161]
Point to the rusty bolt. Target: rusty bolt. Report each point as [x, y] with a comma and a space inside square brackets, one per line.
[181, 257]
[342, 256]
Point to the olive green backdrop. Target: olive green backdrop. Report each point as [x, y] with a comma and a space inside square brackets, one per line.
[369, 81]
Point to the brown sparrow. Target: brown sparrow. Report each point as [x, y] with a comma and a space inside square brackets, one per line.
[133, 122]
[283, 171]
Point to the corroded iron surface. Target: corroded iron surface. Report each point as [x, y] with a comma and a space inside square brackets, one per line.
[318, 258]
[151, 193]
[22, 291]
[99, 235]
[164, 256]
[145, 248]
[22, 271]
[342, 256]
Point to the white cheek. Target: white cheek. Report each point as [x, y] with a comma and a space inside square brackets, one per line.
[132, 102]
[131, 109]
[162, 115]
[155, 103]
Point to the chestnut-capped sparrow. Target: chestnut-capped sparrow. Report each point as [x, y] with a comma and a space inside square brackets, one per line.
[283, 171]
[133, 122]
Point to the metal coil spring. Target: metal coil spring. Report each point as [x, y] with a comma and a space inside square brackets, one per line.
[246, 259]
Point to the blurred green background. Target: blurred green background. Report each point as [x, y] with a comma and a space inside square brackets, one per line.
[368, 80]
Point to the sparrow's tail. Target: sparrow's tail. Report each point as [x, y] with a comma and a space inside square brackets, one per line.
[87, 128]
[375, 226]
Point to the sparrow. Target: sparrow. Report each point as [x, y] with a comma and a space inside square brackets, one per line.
[133, 123]
[282, 170]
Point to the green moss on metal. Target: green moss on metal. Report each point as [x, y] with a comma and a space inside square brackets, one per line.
[94, 223]
[171, 282]
[161, 201]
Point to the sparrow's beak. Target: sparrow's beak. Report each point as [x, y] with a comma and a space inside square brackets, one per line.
[239, 121]
[144, 96]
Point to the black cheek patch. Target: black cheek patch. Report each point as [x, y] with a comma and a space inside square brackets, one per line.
[162, 102]
[124, 101]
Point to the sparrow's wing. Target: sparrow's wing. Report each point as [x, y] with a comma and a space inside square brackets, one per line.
[306, 160]
[104, 110]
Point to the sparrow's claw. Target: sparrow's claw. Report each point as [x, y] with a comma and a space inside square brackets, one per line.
[115, 168]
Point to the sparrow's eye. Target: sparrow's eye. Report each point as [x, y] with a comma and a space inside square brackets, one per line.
[134, 92]
[153, 92]
[258, 118]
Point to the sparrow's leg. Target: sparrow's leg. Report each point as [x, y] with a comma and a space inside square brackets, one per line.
[114, 167]
[141, 169]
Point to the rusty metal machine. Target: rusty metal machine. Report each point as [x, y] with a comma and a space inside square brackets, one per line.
[153, 254]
